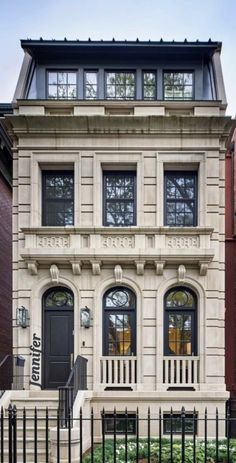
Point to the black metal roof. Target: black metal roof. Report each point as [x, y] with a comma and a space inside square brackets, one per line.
[5, 108]
[43, 47]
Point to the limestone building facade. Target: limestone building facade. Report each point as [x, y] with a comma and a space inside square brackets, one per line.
[118, 217]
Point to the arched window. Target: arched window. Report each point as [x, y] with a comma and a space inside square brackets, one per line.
[180, 337]
[58, 297]
[119, 322]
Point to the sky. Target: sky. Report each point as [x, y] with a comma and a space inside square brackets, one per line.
[121, 19]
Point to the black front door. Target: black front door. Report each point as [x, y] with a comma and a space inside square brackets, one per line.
[58, 337]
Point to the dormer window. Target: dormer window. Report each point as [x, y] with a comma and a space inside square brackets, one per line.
[62, 85]
[91, 85]
[149, 85]
[120, 86]
[178, 85]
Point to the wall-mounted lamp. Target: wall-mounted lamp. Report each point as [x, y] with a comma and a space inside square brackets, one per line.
[85, 317]
[22, 317]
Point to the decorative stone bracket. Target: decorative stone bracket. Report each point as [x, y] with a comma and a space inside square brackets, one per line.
[181, 273]
[76, 267]
[140, 264]
[96, 267]
[203, 268]
[118, 273]
[159, 267]
[54, 272]
[32, 267]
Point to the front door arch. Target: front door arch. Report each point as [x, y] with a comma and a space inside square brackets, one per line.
[58, 339]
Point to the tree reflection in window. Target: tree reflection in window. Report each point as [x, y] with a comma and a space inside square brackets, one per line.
[120, 85]
[180, 199]
[149, 85]
[119, 322]
[90, 85]
[59, 297]
[58, 198]
[180, 322]
[119, 198]
[62, 85]
[178, 85]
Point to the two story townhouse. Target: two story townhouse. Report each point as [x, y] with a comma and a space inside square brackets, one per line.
[119, 206]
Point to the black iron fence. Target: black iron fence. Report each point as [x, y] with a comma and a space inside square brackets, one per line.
[116, 437]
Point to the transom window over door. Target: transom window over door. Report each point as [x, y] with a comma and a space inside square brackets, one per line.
[62, 85]
[180, 322]
[120, 86]
[119, 198]
[58, 198]
[119, 327]
[180, 199]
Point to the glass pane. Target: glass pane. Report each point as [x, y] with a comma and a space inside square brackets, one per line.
[59, 298]
[149, 93]
[120, 298]
[180, 298]
[52, 78]
[188, 78]
[62, 78]
[119, 334]
[188, 91]
[180, 334]
[71, 79]
[52, 91]
[91, 78]
[71, 91]
[62, 91]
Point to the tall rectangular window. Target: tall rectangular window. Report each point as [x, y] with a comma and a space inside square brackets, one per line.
[120, 86]
[58, 198]
[149, 85]
[178, 85]
[180, 199]
[119, 198]
[62, 85]
[91, 90]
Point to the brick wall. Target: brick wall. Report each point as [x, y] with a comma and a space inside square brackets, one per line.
[230, 271]
[5, 272]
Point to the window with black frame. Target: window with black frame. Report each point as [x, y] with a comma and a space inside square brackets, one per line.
[120, 85]
[180, 337]
[62, 85]
[178, 85]
[180, 199]
[119, 198]
[119, 322]
[91, 85]
[149, 85]
[58, 198]
[120, 424]
[176, 422]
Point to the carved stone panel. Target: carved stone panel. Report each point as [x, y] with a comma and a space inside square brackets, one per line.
[55, 241]
[118, 241]
[182, 242]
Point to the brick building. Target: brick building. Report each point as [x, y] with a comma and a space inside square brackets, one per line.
[230, 266]
[5, 244]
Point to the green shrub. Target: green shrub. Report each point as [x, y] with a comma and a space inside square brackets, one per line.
[165, 451]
